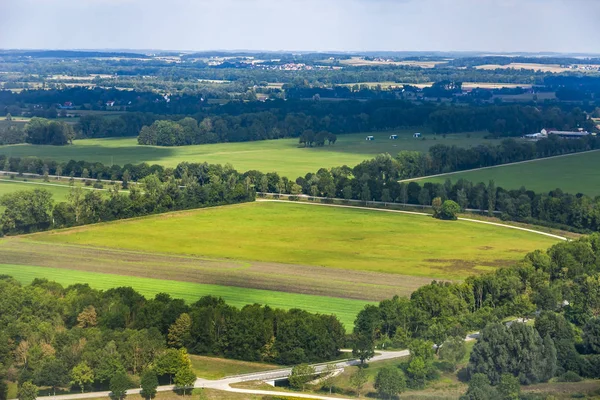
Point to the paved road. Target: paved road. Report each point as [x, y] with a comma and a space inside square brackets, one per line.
[419, 213]
[224, 384]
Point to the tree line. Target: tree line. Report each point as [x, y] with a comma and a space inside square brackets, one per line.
[239, 121]
[186, 187]
[337, 118]
[81, 338]
[559, 287]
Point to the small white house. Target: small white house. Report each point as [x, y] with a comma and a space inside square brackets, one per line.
[393, 137]
[417, 135]
[370, 138]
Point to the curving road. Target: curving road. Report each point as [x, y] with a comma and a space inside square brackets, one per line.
[224, 384]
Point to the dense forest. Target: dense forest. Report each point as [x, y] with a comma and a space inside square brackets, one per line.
[560, 288]
[76, 336]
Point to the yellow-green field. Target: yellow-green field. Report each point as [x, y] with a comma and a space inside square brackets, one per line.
[352, 239]
[284, 156]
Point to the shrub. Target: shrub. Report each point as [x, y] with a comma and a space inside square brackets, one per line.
[570, 376]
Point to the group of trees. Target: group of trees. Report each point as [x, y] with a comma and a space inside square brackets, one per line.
[61, 337]
[561, 287]
[187, 187]
[44, 131]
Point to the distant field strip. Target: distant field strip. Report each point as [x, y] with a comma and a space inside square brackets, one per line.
[572, 173]
[350, 239]
[345, 309]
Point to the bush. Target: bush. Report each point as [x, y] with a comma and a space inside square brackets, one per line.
[449, 210]
[570, 376]
[98, 185]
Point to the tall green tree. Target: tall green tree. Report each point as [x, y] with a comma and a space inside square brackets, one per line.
[82, 375]
[358, 380]
[180, 332]
[119, 385]
[301, 375]
[389, 382]
[149, 383]
[480, 389]
[185, 378]
[491, 197]
[27, 391]
[453, 350]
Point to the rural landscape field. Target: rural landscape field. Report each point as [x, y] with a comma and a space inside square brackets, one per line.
[412, 220]
[271, 252]
[575, 173]
[284, 156]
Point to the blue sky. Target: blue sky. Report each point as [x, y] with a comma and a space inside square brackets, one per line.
[343, 25]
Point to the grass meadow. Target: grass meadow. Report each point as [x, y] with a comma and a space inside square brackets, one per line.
[217, 368]
[284, 156]
[299, 234]
[577, 173]
[59, 193]
[344, 309]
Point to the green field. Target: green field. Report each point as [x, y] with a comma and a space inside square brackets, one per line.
[59, 193]
[577, 173]
[283, 156]
[345, 309]
[299, 234]
[217, 368]
[60, 189]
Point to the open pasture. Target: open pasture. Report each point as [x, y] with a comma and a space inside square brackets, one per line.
[574, 173]
[299, 234]
[284, 156]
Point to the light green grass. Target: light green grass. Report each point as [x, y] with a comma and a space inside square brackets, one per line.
[12, 390]
[217, 368]
[345, 309]
[365, 240]
[574, 174]
[59, 189]
[59, 193]
[283, 156]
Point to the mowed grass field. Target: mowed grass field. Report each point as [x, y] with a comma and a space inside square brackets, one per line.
[59, 193]
[345, 309]
[576, 173]
[300, 234]
[284, 156]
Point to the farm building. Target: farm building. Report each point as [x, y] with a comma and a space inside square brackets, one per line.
[569, 135]
[370, 138]
[393, 137]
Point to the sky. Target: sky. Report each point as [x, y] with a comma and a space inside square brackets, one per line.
[568, 26]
